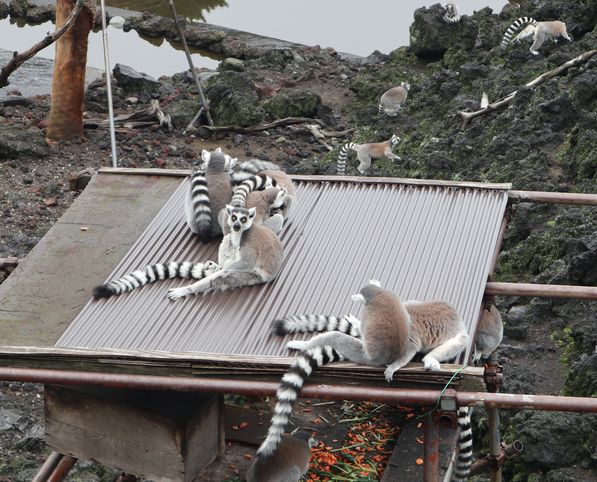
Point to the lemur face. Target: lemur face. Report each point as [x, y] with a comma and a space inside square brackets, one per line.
[240, 219]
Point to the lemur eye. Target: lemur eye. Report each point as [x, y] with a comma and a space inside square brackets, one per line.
[233, 218]
[243, 220]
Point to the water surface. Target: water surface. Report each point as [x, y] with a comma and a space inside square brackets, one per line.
[357, 28]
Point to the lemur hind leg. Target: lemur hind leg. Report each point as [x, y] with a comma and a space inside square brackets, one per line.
[347, 346]
[447, 350]
[224, 279]
[365, 161]
[537, 41]
[275, 223]
[399, 363]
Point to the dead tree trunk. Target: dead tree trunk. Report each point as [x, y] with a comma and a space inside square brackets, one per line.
[68, 81]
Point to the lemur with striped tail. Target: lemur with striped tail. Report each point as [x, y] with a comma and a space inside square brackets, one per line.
[153, 273]
[391, 101]
[539, 30]
[365, 152]
[389, 336]
[452, 13]
[209, 193]
[287, 464]
[249, 254]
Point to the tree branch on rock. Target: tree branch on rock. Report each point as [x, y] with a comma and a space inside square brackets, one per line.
[581, 59]
[263, 127]
[50, 38]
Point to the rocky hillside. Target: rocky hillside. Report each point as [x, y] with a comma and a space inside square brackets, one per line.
[544, 140]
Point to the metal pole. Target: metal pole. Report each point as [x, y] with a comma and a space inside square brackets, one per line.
[431, 449]
[543, 291]
[552, 197]
[62, 469]
[187, 52]
[494, 441]
[108, 83]
[48, 467]
[327, 392]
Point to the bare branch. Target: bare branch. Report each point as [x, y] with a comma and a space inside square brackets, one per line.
[19, 58]
[279, 122]
[581, 59]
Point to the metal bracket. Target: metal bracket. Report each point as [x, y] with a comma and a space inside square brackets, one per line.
[493, 375]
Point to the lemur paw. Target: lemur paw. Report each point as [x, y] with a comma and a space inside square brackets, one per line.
[297, 345]
[389, 374]
[431, 364]
[534, 52]
[176, 293]
[211, 267]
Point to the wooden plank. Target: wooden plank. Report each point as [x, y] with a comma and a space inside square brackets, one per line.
[157, 435]
[229, 366]
[402, 466]
[306, 178]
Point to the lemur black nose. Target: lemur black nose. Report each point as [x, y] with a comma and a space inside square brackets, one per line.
[236, 226]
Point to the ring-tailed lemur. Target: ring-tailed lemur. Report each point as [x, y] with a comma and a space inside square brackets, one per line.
[490, 330]
[367, 151]
[288, 463]
[452, 13]
[264, 202]
[250, 254]
[539, 30]
[391, 101]
[230, 161]
[258, 182]
[155, 272]
[209, 193]
[392, 333]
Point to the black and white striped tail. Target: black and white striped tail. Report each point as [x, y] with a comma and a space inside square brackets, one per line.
[154, 272]
[315, 323]
[447, 18]
[201, 205]
[515, 27]
[462, 465]
[251, 167]
[290, 387]
[254, 183]
[341, 165]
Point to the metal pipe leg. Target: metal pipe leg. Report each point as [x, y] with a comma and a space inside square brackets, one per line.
[431, 449]
[48, 466]
[494, 441]
[62, 469]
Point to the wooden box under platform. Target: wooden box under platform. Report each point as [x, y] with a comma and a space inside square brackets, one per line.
[166, 437]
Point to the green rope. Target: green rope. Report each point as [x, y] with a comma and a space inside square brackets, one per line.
[442, 392]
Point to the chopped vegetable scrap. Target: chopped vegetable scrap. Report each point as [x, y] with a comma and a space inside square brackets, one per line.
[365, 451]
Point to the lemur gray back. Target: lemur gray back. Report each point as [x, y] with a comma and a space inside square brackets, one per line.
[385, 325]
[219, 187]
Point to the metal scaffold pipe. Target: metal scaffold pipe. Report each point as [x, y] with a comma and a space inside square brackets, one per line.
[326, 392]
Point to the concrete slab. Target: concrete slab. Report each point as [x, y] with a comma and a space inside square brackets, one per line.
[54, 281]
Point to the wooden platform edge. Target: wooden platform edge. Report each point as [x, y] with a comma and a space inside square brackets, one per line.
[318, 178]
[225, 366]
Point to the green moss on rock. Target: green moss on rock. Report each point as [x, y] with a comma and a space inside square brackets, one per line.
[297, 103]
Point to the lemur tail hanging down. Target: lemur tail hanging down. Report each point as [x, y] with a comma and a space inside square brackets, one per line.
[258, 182]
[365, 152]
[155, 272]
[290, 387]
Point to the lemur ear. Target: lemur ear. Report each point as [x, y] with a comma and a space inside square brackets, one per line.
[205, 155]
[218, 149]
[252, 212]
[358, 298]
[374, 282]
[229, 208]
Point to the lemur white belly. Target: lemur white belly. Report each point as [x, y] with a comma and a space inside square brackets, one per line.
[229, 251]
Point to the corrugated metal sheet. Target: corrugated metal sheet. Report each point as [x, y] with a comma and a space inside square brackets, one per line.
[422, 242]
